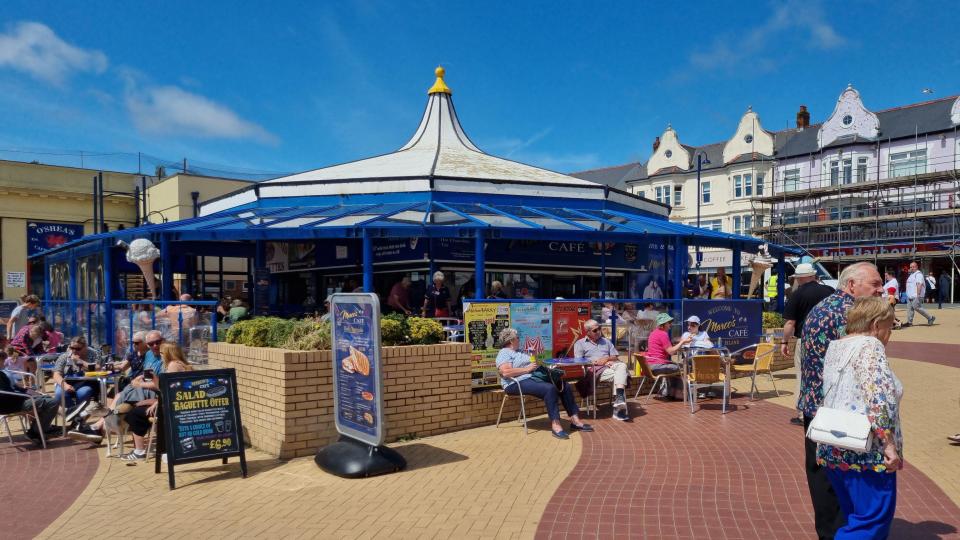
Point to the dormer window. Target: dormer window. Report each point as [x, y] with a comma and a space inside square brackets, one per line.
[847, 120]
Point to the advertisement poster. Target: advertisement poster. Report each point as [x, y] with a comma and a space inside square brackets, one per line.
[534, 324]
[301, 255]
[568, 319]
[43, 236]
[357, 383]
[483, 323]
[737, 323]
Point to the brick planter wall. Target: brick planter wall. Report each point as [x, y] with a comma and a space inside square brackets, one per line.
[286, 397]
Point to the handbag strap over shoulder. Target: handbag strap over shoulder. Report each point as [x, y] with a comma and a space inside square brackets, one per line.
[845, 360]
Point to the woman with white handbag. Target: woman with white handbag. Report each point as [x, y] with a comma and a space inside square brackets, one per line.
[858, 427]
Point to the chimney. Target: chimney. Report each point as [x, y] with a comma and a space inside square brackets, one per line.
[803, 117]
[656, 144]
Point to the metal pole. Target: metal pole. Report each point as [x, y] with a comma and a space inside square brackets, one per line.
[103, 219]
[367, 262]
[781, 281]
[479, 270]
[96, 207]
[737, 271]
[108, 293]
[603, 269]
[679, 253]
[166, 268]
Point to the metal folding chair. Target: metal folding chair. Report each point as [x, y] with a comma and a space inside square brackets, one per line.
[523, 410]
[763, 354]
[707, 370]
[642, 370]
[21, 414]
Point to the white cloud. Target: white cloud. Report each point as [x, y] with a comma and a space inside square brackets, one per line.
[170, 110]
[35, 49]
[755, 49]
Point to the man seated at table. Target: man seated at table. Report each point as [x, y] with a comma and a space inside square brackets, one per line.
[607, 364]
[699, 337]
[660, 350]
[133, 360]
[151, 360]
[46, 406]
[78, 359]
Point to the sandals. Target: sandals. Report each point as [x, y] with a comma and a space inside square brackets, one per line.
[954, 438]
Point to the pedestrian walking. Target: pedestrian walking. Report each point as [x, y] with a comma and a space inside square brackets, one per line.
[916, 291]
[808, 293]
[943, 289]
[826, 323]
[931, 287]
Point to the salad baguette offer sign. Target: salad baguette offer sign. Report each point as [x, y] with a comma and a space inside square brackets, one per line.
[357, 376]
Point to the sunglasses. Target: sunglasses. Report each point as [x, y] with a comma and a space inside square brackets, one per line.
[137, 342]
[592, 330]
[154, 343]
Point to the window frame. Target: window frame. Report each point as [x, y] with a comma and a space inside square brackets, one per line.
[705, 195]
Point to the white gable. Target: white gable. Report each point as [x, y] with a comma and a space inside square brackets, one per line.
[670, 153]
[750, 138]
[850, 118]
[955, 111]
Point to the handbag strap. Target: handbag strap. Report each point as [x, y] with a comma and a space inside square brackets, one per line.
[845, 361]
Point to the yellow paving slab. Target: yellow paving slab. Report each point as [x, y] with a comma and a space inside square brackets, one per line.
[480, 483]
[946, 329]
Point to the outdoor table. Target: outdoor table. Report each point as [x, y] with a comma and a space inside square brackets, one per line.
[583, 363]
[454, 332]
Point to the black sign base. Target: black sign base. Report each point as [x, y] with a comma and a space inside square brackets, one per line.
[350, 458]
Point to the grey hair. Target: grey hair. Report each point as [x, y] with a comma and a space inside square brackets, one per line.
[853, 272]
[154, 333]
[507, 335]
[141, 336]
[590, 323]
[438, 275]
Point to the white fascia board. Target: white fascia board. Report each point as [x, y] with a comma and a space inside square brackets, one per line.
[518, 188]
[344, 188]
[228, 202]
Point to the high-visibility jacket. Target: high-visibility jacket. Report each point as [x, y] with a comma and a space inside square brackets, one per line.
[772, 286]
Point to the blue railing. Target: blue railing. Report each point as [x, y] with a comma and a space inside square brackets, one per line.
[85, 318]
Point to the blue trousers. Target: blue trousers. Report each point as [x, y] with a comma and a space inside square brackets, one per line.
[81, 394]
[868, 499]
[548, 392]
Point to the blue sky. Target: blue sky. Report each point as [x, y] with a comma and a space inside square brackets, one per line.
[289, 86]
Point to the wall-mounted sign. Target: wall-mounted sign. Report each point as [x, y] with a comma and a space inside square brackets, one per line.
[737, 323]
[16, 279]
[42, 236]
[357, 374]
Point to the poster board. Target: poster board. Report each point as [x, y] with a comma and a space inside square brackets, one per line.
[737, 322]
[533, 322]
[200, 418]
[483, 322]
[357, 373]
[568, 319]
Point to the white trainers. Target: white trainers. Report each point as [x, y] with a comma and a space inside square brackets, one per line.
[619, 403]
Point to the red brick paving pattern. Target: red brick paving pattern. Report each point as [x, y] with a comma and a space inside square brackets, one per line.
[670, 474]
[934, 353]
[37, 485]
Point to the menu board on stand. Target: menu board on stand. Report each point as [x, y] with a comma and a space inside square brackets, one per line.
[357, 391]
[483, 322]
[199, 419]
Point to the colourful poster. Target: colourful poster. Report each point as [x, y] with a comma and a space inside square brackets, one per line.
[357, 383]
[482, 323]
[534, 324]
[568, 319]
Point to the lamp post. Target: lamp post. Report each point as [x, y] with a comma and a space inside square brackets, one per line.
[701, 161]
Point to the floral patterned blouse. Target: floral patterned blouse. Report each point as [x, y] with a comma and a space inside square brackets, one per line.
[826, 322]
[858, 378]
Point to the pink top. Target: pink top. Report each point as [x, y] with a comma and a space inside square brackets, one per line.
[657, 345]
[53, 341]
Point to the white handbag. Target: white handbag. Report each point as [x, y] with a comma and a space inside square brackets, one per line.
[843, 429]
[840, 428]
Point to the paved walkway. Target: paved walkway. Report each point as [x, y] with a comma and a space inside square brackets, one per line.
[667, 474]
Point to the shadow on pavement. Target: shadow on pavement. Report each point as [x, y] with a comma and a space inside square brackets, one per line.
[421, 456]
[924, 530]
[223, 472]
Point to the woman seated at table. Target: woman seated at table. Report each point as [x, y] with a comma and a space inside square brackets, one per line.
[659, 351]
[699, 338]
[515, 370]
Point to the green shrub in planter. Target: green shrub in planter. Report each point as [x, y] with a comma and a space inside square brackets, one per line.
[392, 331]
[261, 332]
[425, 331]
[772, 319]
[309, 335]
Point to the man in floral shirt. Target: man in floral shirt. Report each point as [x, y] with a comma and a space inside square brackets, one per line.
[825, 323]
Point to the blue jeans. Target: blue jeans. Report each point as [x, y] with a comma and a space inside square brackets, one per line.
[548, 392]
[868, 499]
[79, 395]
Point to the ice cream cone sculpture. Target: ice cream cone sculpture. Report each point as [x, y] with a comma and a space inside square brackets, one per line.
[142, 253]
[760, 264]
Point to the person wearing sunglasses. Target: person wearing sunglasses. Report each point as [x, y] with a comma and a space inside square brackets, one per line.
[152, 360]
[607, 365]
[74, 362]
[699, 338]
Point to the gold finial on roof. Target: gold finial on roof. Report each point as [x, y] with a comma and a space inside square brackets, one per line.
[439, 87]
